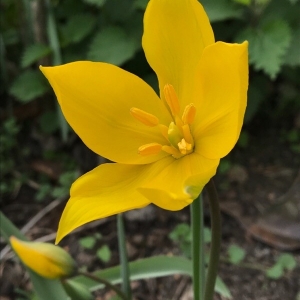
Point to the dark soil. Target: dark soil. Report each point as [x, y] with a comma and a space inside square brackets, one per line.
[257, 175]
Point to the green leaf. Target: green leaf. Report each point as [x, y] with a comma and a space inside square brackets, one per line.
[152, 267]
[104, 253]
[48, 122]
[78, 27]
[140, 4]
[220, 10]
[28, 86]
[236, 254]
[244, 2]
[87, 242]
[275, 272]
[98, 3]
[287, 261]
[292, 57]
[268, 45]
[224, 166]
[118, 11]
[257, 93]
[77, 291]
[207, 235]
[33, 53]
[112, 45]
[45, 288]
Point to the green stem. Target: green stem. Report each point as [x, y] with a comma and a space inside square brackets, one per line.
[198, 251]
[57, 60]
[29, 21]
[214, 257]
[125, 274]
[105, 282]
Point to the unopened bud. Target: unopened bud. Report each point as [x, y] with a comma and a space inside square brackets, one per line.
[45, 259]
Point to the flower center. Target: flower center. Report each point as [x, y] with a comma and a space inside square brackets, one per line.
[179, 140]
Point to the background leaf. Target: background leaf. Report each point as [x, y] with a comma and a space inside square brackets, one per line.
[78, 27]
[152, 267]
[33, 53]
[268, 44]
[292, 57]
[29, 85]
[236, 254]
[220, 10]
[112, 45]
[98, 3]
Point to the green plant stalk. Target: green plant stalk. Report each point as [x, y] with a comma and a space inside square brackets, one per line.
[214, 257]
[105, 282]
[125, 274]
[57, 60]
[198, 251]
[29, 21]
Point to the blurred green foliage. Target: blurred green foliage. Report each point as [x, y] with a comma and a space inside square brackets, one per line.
[48, 32]
[110, 31]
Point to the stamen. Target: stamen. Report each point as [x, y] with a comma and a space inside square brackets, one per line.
[148, 149]
[178, 121]
[189, 114]
[171, 150]
[171, 99]
[184, 146]
[187, 133]
[144, 117]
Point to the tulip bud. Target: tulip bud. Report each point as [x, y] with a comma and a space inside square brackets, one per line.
[45, 259]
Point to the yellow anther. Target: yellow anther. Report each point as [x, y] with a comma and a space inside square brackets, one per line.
[189, 114]
[184, 147]
[187, 133]
[171, 150]
[148, 149]
[171, 99]
[178, 121]
[174, 134]
[144, 117]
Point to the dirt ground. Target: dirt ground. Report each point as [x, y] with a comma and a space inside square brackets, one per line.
[257, 176]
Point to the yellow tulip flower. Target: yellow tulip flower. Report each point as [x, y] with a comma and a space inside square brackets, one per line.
[45, 259]
[166, 148]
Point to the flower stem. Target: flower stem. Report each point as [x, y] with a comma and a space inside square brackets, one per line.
[105, 282]
[214, 257]
[198, 255]
[123, 257]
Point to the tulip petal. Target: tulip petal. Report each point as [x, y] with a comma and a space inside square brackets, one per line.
[114, 188]
[175, 34]
[106, 190]
[220, 98]
[96, 99]
[174, 183]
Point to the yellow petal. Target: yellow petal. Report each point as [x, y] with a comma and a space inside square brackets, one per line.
[175, 34]
[114, 188]
[172, 184]
[107, 190]
[96, 99]
[220, 98]
[45, 259]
